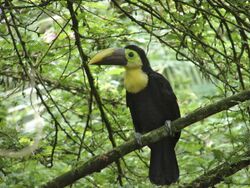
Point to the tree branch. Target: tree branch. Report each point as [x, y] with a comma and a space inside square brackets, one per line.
[54, 84]
[218, 174]
[90, 78]
[97, 163]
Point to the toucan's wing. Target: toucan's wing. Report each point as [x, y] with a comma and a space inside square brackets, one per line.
[167, 95]
[169, 101]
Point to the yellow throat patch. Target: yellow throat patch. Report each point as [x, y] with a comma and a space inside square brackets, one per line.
[135, 80]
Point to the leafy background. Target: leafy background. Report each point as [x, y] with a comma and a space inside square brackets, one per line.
[202, 47]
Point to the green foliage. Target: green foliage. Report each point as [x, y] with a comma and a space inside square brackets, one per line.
[201, 47]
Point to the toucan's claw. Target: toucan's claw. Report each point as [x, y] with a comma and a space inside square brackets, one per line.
[169, 128]
[138, 138]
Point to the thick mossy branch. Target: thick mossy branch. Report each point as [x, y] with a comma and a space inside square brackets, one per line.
[218, 174]
[97, 163]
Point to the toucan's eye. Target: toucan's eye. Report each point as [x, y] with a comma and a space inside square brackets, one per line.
[131, 54]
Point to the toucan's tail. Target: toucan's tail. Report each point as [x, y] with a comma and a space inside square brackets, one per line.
[163, 169]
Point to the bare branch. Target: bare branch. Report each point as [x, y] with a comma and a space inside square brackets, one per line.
[86, 70]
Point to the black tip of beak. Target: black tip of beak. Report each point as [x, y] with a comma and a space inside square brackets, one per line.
[109, 56]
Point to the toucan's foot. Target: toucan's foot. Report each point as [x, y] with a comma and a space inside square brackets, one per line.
[138, 138]
[169, 128]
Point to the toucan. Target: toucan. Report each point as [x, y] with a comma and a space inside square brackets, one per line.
[152, 104]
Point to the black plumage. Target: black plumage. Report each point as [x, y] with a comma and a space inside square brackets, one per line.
[151, 101]
[150, 108]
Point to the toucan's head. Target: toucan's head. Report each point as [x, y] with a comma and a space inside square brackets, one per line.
[130, 57]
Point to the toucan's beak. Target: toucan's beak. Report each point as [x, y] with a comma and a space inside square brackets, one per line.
[110, 56]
